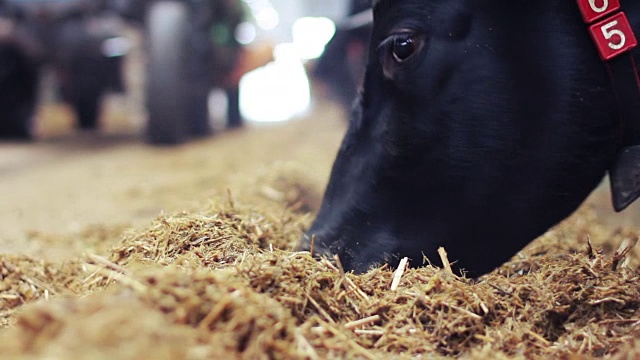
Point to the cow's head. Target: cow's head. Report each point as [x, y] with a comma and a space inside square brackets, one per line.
[480, 125]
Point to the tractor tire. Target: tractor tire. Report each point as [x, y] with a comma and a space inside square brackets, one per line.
[167, 89]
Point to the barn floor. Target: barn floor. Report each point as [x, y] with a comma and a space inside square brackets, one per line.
[114, 249]
[68, 181]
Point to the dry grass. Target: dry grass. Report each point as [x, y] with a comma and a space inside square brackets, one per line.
[223, 282]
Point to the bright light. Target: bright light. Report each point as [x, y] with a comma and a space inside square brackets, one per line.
[245, 33]
[278, 91]
[311, 35]
[267, 18]
[116, 46]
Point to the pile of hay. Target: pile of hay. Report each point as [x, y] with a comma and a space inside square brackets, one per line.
[224, 283]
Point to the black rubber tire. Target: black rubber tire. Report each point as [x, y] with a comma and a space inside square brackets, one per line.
[167, 25]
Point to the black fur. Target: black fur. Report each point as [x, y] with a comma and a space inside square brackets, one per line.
[495, 131]
[18, 91]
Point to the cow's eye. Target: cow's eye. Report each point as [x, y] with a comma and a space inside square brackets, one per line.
[398, 50]
[404, 46]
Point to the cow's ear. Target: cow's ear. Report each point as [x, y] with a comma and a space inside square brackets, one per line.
[625, 178]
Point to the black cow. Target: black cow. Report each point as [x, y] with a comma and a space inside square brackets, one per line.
[342, 64]
[482, 123]
[18, 91]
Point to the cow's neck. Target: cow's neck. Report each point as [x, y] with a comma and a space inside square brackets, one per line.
[615, 39]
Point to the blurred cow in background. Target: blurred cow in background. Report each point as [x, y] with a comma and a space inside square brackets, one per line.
[77, 38]
[18, 91]
[190, 48]
[342, 65]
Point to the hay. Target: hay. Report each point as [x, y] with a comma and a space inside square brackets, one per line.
[24, 280]
[224, 283]
[218, 237]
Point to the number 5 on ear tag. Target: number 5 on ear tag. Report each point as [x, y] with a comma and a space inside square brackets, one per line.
[613, 36]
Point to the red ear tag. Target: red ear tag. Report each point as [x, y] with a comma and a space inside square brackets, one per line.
[595, 9]
[613, 36]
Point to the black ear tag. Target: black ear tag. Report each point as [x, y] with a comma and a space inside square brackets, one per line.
[625, 178]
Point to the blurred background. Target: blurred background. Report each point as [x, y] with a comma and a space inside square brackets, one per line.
[114, 111]
[173, 70]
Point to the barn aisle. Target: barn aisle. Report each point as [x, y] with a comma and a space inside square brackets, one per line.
[68, 182]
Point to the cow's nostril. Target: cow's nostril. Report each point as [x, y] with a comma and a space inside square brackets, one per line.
[311, 244]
